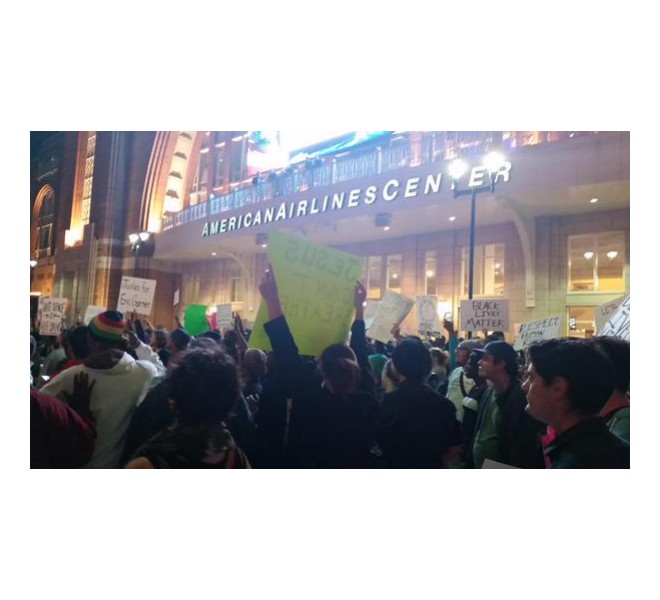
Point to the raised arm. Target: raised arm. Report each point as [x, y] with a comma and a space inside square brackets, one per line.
[359, 338]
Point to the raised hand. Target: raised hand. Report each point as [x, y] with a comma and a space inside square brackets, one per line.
[268, 290]
[359, 297]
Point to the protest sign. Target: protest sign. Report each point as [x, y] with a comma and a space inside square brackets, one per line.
[194, 319]
[619, 323]
[605, 311]
[535, 331]
[316, 286]
[91, 312]
[485, 314]
[369, 312]
[427, 315]
[392, 309]
[136, 294]
[52, 315]
[176, 298]
[224, 316]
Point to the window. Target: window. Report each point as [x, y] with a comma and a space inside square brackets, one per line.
[596, 262]
[219, 158]
[430, 273]
[89, 176]
[238, 170]
[45, 224]
[236, 286]
[394, 273]
[488, 270]
[374, 277]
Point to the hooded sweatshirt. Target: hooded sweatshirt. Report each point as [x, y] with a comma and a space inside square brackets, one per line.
[121, 384]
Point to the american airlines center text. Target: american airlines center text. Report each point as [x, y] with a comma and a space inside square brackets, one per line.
[393, 189]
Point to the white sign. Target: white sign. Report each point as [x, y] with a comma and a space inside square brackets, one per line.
[485, 314]
[52, 315]
[605, 311]
[392, 309]
[91, 312]
[176, 298]
[427, 315]
[136, 294]
[370, 312]
[224, 316]
[619, 323]
[535, 331]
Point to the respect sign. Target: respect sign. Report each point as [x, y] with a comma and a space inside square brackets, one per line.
[316, 286]
[535, 331]
[392, 309]
[136, 294]
[52, 315]
[489, 315]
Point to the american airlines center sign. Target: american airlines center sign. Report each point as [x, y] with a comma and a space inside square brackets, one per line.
[343, 201]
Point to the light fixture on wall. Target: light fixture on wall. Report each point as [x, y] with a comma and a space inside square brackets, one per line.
[612, 254]
[589, 255]
[261, 240]
[142, 244]
[383, 221]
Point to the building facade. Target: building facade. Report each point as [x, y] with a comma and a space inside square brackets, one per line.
[552, 236]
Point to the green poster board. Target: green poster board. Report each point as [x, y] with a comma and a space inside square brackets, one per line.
[194, 319]
[316, 285]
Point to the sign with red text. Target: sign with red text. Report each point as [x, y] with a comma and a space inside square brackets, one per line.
[535, 331]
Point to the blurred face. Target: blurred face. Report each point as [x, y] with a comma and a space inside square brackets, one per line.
[462, 357]
[471, 368]
[541, 401]
[487, 366]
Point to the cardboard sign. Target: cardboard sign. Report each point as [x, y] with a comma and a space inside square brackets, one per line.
[136, 294]
[485, 314]
[91, 312]
[535, 331]
[224, 316]
[194, 319]
[52, 315]
[392, 309]
[619, 323]
[316, 286]
[370, 312]
[427, 315]
[605, 311]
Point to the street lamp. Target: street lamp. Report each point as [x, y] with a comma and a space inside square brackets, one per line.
[492, 163]
[139, 244]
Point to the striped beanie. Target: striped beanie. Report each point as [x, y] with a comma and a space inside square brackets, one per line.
[108, 326]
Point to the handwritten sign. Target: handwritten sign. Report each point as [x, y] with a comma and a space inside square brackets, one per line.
[316, 285]
[619, 323]
[535, 331]
[224, 316]
[485, 314]
[136, 294]
[370, 312]
[91, 312]
[392, 309]
[194, 319]
[605, 311]
[427, 315]
[52, 315]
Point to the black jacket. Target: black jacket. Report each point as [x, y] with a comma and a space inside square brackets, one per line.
[589, 445]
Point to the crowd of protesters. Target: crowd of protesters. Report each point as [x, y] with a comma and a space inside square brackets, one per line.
[120, 393]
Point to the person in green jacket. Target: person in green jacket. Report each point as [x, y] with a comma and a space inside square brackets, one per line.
[616, 411]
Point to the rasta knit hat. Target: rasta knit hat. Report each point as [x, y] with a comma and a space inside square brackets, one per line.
[108, 326]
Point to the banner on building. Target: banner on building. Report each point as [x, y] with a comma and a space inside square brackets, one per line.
[484, 315]
[618, 324]
[91, 312]
[427, 315]
[605, 311]
[392, 309]
[137, 295]
[316, 286]
[52, 315]
[535, 331]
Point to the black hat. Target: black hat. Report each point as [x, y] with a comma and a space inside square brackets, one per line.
[500, 351]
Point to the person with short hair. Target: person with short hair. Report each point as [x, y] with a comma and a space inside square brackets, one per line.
[204, 386]
[616, 411]
[504, 432]
[121, 382]
[458, 384]
[438, 380]
[568, 383]
[417, 427]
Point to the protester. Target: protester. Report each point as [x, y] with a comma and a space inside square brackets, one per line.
[417, 427]
[458, 385]
[504, 432]
[568, 383]
[120, 383]
[333, 413]
[53, 359]
[159, 345]
[204, 386]
[616, 411]
[471, 404]
[438, 380]
[74, 341]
